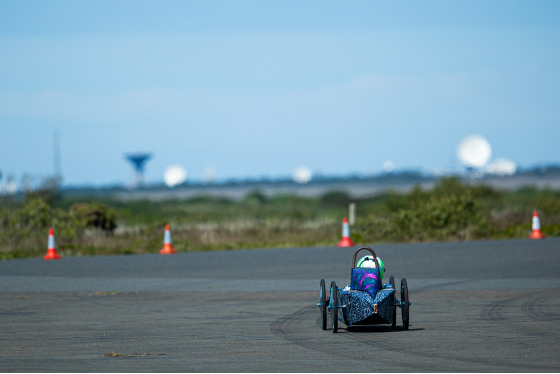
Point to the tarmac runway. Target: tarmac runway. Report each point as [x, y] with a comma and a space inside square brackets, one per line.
[488, 306]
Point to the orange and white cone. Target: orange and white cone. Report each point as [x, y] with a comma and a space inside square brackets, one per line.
[536, 234]
[51, 248]
[167, 246]
[345, 241]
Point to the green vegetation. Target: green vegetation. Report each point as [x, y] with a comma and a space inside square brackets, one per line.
[450, 211]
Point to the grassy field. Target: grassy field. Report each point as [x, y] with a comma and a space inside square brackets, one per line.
[450, 211]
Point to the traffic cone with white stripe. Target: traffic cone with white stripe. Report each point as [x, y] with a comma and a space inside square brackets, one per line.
[536, 234]
[345, 241]
[167, 246]
[51, 248]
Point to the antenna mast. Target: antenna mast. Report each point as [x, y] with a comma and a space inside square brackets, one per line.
[56, 144]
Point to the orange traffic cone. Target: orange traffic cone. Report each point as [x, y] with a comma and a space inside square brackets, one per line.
[345, 241]
[51, 248]
[167, 247]
[536, 234]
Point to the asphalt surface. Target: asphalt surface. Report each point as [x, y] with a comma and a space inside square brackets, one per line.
[488, 306]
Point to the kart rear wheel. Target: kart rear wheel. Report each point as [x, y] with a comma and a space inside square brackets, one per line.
[323, 305]
[334, 305]
[394, 323]
[405, 307]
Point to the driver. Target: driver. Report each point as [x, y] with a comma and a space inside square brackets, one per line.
[369, 262]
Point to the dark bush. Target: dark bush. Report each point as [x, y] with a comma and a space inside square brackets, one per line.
[94, 215]
[335, 199]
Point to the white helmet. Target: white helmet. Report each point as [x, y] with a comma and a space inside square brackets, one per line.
[369, 262]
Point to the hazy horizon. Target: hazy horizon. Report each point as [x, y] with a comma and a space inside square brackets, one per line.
[249, 89]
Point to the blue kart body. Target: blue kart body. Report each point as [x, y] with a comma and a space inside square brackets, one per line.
[360, 308]
[367, 301]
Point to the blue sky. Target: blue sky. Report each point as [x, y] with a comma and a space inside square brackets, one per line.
[258, 88]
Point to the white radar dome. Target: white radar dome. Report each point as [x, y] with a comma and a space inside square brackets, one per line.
[501, 166]
[388, 166]
[209, 174]
[174, 175]
[302, 175]
[474, 151]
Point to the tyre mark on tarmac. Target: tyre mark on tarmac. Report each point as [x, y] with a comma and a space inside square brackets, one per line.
[535, 314]
[342, 345]
[427, 347]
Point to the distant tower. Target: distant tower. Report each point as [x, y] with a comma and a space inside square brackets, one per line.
[138, 160]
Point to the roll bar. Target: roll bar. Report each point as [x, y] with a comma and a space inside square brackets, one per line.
[368, 249]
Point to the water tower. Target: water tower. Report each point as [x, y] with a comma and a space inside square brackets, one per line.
[138, 160]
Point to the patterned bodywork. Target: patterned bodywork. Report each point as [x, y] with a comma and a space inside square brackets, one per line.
[367, 302]
[359, 307]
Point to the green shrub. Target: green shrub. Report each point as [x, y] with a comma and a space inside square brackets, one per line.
[255, 198]
[439, 218]
[35, 215]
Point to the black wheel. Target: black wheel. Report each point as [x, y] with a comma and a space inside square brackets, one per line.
[323, 305]
[404, 301]
[392, 281]
[334, 305]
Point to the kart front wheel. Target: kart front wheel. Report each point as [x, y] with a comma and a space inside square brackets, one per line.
[323, 304]
[334, 307]
[405, 304]
[394, 323]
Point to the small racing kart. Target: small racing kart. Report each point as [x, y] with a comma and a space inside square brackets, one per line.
[366, 301]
